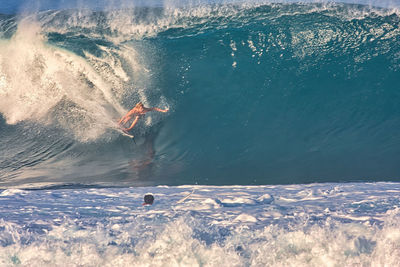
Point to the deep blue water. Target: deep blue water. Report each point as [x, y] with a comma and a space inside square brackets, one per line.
[259, 93]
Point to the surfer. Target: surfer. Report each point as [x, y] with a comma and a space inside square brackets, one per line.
[138, 111]
[148, 200]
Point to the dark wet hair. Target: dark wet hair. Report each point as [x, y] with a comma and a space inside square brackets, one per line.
[148, 199]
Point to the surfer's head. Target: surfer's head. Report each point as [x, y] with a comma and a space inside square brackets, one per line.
[148, 199]
[139, 105]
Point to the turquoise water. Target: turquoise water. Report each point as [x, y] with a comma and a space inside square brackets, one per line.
[258, 93]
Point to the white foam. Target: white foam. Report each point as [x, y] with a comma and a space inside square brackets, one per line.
[47, 84]
[109, 227]
[11, 192]
[245, 218]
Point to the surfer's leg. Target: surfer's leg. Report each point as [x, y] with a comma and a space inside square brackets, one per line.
[133, 123]
[124, 120]
[121, 121]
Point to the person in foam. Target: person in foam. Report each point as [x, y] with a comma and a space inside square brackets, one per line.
[148, 199]
[138, 111]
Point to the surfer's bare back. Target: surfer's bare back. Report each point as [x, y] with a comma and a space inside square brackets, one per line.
[138, 111]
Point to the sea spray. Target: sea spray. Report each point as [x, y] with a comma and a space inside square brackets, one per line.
[41, 82]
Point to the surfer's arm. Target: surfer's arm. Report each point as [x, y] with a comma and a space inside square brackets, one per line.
[133, 123]
[160, 110]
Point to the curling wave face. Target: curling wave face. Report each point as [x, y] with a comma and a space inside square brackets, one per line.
[258, 93]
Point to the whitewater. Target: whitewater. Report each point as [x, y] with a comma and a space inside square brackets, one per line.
[296, 225]
[281, 145]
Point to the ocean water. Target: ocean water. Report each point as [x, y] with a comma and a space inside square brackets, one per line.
[283, 133]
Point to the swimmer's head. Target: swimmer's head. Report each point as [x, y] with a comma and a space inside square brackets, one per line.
[148, 199]
[139, 105]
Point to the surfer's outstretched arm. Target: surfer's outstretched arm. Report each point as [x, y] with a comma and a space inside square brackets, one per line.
[133, 124]
[160, 110]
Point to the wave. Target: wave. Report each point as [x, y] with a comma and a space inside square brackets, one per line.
[258, 93]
